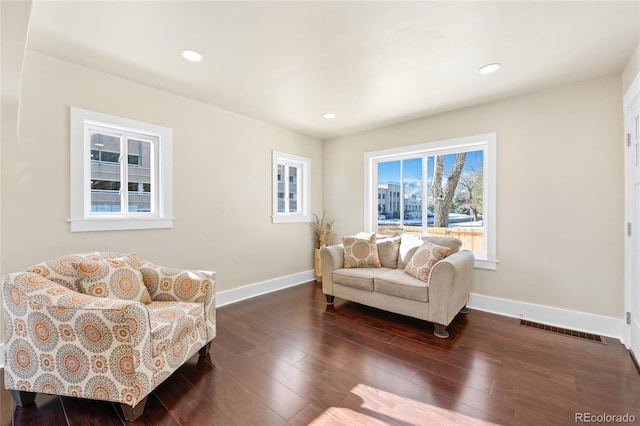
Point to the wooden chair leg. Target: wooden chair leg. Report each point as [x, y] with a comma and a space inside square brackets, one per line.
[441, 331]
[132, 413]
[204, 351]
[329, 299]
[22, 398]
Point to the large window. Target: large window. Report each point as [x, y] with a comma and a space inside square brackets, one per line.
[291, 188]
[444, 188]
[120, 173]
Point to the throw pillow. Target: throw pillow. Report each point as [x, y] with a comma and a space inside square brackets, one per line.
[360, 253]
[118, 278]
[424, 259]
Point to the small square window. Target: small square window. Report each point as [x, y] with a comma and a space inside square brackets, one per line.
[291, 188]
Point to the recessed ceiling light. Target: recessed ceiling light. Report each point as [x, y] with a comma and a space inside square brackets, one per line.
[490, 68]
[191, 55]
[329, 115]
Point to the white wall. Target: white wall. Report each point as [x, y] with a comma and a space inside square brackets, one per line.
[14, 18]
[632, 69]
[560, 191]
[221, 175]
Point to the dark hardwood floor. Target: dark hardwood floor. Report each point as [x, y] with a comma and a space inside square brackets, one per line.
[288, 358]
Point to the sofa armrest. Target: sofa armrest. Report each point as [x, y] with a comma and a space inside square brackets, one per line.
[450, 285]
[332, 258]
[82, 345]
[172, 284]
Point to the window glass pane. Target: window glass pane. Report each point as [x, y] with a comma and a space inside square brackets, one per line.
[412, 193]
[281, 188]
[105, 172]
[134, 160]
[456, 197]
[388, 197]
[293, 189]
[139, 170]
[105, 185]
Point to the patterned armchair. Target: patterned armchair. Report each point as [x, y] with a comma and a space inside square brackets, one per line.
[103, 326]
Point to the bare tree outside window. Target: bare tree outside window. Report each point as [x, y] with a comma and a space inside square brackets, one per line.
[443, 198]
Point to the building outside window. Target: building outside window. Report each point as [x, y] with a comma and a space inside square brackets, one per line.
[106, 171]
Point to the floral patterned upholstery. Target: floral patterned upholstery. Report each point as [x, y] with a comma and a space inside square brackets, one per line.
[63, 342]
[118, 278]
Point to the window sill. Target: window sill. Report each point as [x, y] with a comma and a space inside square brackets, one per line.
[119, 224]
[486, 264]
[290, 219]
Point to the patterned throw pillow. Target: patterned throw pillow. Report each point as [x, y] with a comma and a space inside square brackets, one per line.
[117, 278]
[361, 253]
[424, 259]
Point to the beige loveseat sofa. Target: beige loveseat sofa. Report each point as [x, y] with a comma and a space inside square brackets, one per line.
[437, 298]
[104, 326]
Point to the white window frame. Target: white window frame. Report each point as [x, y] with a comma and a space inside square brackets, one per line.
[82, 218]
[487, 142]
[303, 193]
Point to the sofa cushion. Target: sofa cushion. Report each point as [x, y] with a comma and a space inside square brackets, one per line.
[360, 278]
[388, 249]
[61, 270]
[172, 322]
[397, 283]
[409, 243]
[117, 278]
[424, 259]
[365, 235]
[361, 253]
[453, 244]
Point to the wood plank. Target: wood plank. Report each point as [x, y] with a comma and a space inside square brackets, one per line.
[47, 410]
[282, 400]
[80, 411]
[212, 394]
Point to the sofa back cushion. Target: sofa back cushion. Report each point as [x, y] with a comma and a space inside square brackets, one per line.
[61, 270]
[409, 244]
[453, 244]
[118, 278]
[388, 249]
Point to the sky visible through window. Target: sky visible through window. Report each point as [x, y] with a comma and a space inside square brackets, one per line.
[389, 171]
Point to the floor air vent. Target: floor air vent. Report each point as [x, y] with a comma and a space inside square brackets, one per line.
[564, 331]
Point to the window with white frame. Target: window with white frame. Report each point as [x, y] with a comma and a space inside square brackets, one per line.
[291, 188]
[120, 173]
[444, 188]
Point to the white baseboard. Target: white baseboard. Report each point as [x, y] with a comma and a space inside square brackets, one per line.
[253, 290]
[572, 320]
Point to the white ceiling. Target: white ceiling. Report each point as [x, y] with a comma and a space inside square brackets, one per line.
[372, 63]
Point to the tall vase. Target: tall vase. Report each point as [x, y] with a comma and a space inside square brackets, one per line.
[318, 265]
